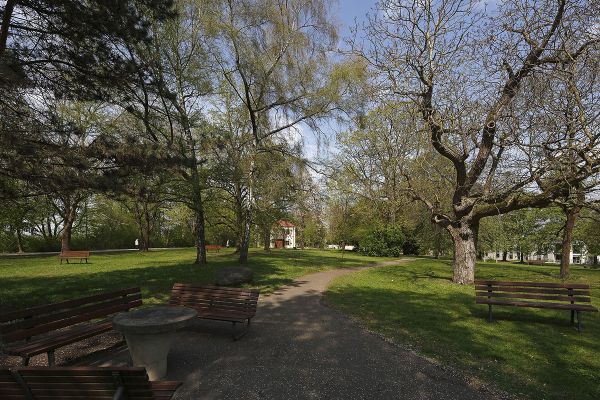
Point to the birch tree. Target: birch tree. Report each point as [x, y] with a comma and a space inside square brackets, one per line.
[273, 57]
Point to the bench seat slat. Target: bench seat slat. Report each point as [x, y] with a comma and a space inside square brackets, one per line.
[50, 326]
[576, 292]
[533, 284]
[45, 318]
[534, 296]
[224, 289]
[44, 344]
[216, 305]
[557, 306]
[94, 383]
[48, 308]
[216, 299]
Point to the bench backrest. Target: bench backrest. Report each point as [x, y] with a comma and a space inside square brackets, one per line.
[571, 293]
[75, 253]
[10, 389]
[212, 247]
[215, 298]
[23, 324]
[76, 383]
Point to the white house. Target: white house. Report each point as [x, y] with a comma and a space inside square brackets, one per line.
[283, 235]
[577, 255]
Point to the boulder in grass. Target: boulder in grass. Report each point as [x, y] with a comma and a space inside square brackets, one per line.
[233, 276]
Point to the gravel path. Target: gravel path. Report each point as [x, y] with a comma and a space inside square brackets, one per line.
[298, 348]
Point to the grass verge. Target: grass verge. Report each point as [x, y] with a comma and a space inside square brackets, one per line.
[532, 353]
[26, 281]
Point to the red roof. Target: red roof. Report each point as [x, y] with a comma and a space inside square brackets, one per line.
[285, 224]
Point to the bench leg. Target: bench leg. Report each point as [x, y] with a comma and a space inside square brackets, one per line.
[579, 324]
[490, 313]
[25, 361]
[242, 333]
[51, 358]
[572, 317]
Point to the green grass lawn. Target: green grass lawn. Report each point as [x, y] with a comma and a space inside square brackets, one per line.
[26, 281]
[532, 353]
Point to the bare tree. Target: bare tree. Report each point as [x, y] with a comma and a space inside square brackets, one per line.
[470, 73]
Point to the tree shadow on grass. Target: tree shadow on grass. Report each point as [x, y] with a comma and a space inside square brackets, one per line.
[156, 276]
[530, 350]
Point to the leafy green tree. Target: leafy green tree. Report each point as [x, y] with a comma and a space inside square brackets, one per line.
[277, 71]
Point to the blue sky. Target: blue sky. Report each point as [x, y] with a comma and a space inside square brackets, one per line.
[347, 10]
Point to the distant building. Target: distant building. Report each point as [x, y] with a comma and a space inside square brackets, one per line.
[283, 235]
[577, 255]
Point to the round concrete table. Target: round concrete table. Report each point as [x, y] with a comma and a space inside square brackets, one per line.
[149, 333]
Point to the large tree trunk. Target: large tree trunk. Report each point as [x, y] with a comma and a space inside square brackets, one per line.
[200, 236]
[267, 238]
[69, 220]
[572, 212]
[464, 236]
[65, 243]
[19, 236]
[437, 248]
[567, 240]
[142, 246]
[249, 210]
[245, 245]
[200, 223]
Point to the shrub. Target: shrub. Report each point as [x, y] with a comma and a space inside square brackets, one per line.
[383, 242]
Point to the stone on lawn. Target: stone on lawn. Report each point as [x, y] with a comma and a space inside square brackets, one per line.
[231, 276]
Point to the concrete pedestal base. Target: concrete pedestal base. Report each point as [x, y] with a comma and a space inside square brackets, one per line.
[149, 333]
[150, 351]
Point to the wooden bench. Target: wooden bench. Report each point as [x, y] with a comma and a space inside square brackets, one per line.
[44, 328]
[215, 247]
[79, 383]
[69, 254]
[235, 305]
[574, 297]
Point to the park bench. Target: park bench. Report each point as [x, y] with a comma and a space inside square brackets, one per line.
[215, 247]
[79, 383]
[574, 297]
[74, 254]
[42, 329]
[219, 303]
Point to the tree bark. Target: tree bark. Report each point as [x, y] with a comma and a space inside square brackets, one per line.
[8, 12]
[249, 210]
[65, 243]
[244, 246]
[567, 241]
[200, 235]
[19, 237]
[438, 241]
[267, 239]
[200, 223]
[464, 236]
